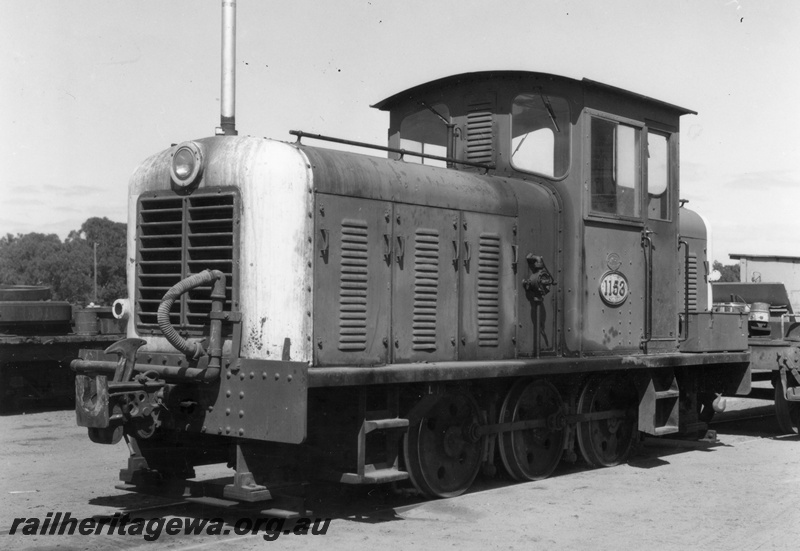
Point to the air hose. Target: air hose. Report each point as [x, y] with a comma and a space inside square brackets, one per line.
[192, 350]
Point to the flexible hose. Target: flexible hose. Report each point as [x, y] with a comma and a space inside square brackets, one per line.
[193, 350]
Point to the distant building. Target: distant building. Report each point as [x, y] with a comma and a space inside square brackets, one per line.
[756, 268]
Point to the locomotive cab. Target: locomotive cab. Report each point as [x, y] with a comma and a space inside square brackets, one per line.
[611, 158]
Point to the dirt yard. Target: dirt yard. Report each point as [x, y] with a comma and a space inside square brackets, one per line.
[738, 494]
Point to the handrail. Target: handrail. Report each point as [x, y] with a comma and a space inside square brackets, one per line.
[300, 134]
[785, 317]
[647, 245]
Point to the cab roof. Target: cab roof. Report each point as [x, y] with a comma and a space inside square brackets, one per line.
[467, 79]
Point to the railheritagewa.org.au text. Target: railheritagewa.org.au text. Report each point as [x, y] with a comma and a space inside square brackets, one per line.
[60, 524]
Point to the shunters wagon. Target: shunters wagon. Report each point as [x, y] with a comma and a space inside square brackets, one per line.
[39, 337]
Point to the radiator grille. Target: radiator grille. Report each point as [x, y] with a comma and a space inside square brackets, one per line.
[692, 268]
[426, 289]
[489, 290]
[353, 286]
[178, 237]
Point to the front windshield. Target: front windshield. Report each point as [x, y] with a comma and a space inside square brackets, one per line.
[540, 128]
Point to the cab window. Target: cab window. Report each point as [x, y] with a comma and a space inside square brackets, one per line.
[657, 177]
[425, 131]
[540, 128]
[616, 174]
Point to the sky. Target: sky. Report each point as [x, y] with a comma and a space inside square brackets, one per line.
[90, 88]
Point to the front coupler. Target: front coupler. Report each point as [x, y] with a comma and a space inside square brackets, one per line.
[110, 397]
[104, 406]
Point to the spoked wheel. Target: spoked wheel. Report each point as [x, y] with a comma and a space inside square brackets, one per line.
[441, 456]
[787, 413]
[532, 453]
[607, 439]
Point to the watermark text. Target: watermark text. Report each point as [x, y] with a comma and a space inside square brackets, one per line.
[269, 528]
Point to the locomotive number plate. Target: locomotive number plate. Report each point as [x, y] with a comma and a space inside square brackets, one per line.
[614, 288]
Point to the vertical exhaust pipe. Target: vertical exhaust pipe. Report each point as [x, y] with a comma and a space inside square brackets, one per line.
[228, 94]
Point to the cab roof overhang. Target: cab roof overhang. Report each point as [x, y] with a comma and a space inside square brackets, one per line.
[467, 78]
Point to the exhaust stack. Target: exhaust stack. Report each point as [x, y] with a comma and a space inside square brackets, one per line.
[228, 93]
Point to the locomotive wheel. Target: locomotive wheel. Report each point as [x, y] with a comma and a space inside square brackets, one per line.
[607, 442]
[532, 454]
[787, 413]
[441, 456]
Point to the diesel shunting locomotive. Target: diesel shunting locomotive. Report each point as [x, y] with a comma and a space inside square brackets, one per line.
[514, 281]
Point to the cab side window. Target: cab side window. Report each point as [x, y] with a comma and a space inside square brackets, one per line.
[540, 134]
[426, 132]
[616, 172]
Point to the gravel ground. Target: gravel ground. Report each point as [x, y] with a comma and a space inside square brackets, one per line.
[737, 494]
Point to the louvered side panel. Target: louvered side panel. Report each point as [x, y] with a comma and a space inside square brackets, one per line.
[424, 284]
[692, 282]
[426, 289]
[488, 289]
[351, 281]
[480, 143]
[353, 285]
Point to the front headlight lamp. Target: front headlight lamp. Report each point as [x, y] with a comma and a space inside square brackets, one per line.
[759, 316]
[759, 312]
[187, 164]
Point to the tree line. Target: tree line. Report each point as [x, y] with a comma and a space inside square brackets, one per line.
[728, 272]
[67, 267]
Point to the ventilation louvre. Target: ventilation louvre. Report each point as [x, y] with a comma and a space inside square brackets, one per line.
[692, 268]
[426, 289]
[353, 286]
[480, 146]
[489, 290]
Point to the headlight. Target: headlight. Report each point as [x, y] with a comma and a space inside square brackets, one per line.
[759, 312]
[187, 164]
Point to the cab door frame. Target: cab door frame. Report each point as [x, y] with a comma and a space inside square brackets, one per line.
[623, 246]
[665, 278]
[614, 223]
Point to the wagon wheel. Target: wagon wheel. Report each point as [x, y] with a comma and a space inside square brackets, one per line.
[787, 413]
[533, 453]
[441, 456]
[607, 442]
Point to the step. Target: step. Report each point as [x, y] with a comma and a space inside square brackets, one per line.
[377, 476]
[664, 394]
[667, 429]
[385, 424]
